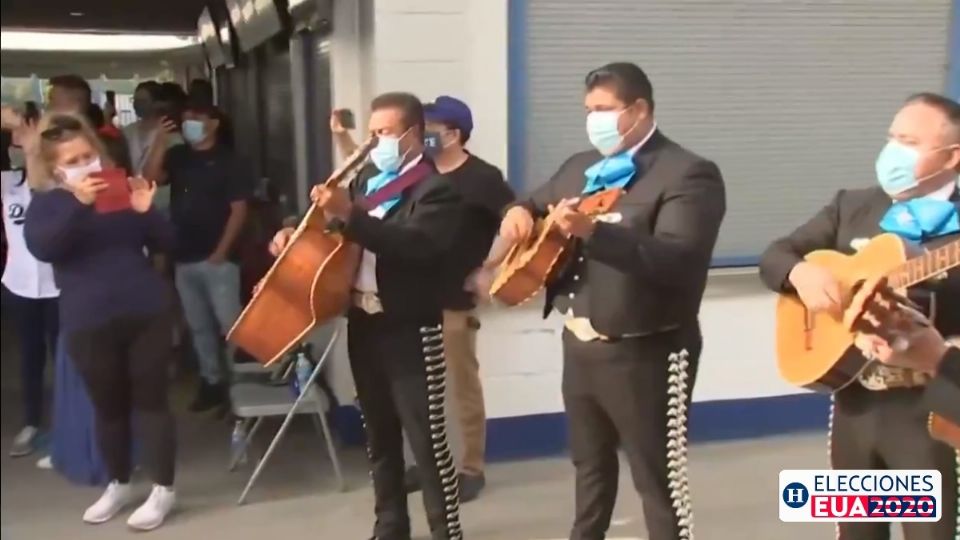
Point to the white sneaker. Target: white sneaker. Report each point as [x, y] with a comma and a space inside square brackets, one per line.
[151, 514]
[23, 442]
[45, 463]
[114, 499]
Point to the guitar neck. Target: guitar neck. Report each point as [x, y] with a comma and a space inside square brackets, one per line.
[350, 168]
[926, 266]
[352, 164]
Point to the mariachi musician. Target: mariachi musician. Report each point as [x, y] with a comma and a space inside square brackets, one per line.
[395, 335]
[631, 298]
[879, 421]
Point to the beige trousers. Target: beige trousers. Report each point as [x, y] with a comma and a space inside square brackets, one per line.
[466, 416]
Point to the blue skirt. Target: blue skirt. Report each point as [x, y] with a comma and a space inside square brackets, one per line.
[73, 441]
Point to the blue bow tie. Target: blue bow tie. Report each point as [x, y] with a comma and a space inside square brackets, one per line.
[380, 181]
[610, 172]
[922, 219]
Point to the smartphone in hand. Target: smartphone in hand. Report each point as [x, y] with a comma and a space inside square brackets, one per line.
[116, 197]
[346, 118]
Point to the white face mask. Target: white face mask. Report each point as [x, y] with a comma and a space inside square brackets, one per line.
[72, 175]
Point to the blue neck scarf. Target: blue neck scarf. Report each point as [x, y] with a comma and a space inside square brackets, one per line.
[922, 219]
[377, 183]
[615, 171]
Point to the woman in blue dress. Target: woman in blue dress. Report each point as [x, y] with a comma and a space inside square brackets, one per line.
[74, 452]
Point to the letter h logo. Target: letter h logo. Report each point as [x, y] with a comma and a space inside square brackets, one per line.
[795, 495]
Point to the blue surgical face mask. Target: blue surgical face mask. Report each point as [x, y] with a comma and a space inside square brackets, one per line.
[193, 131]
[386, 155]
[896, 168]
[603, 131]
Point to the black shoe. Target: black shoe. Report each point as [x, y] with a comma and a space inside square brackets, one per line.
[411, 480]
[470, 486]
[208, 396]
[405, 536]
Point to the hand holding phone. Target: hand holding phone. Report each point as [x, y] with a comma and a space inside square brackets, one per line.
[342, 120]
[347, 119]
[86, 189]
[115, 197]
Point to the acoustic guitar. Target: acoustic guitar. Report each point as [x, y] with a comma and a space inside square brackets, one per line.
[308, 284]
[531, 265]
[878, 310]
[815, 350]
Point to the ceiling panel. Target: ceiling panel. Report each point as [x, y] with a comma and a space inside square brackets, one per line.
[162, 16]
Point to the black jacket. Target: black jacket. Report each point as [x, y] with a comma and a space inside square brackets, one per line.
[943, 394]
[410, 242]
[645, 270]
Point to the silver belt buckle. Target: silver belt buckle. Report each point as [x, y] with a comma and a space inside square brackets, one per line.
[874, 381]
[369, 302]
[880, 377]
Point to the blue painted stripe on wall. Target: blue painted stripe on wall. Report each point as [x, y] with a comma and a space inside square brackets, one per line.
[517, 95]
[953, 75]
[540, 435]
[735, 262]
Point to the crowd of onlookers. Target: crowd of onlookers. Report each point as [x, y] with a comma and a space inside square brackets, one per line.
[109, 287]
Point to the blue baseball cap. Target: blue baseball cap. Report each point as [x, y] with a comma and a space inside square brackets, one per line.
[450, 110]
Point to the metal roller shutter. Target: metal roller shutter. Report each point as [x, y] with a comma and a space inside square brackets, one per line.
[240, 97]
[277, 135]
[791, 99]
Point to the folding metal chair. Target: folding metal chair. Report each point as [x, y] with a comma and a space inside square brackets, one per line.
[253, 401]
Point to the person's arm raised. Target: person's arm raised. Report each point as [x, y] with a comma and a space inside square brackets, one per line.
[155, 166]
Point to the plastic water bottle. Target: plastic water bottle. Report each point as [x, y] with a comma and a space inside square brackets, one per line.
[238, 453]
[304, 371]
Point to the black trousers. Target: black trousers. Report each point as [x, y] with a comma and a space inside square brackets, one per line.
[124, 365]
[399, 372]
[631, 394]
[888, 430]
[37, 327]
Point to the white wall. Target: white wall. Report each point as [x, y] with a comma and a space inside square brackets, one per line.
[429, 48]
[459, 47]
[351, 51]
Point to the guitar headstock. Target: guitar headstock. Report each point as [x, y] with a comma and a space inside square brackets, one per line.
[354, 162]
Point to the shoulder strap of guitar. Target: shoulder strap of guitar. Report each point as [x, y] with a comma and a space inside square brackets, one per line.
[412, 177]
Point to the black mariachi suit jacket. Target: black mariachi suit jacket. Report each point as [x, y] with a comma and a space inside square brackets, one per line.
[410, 242]
[647, 272]
[943, 394]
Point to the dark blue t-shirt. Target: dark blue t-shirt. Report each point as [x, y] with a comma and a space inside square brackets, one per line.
[203, 184]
